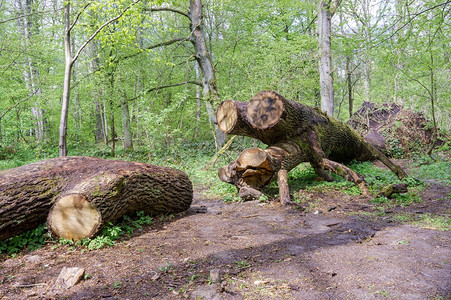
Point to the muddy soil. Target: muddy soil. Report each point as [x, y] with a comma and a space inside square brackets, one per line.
[343, 248]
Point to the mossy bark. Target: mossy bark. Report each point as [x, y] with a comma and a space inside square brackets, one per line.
[319, 139]
[74, 193]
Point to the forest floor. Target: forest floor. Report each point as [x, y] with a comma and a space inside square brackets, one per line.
[342, 247]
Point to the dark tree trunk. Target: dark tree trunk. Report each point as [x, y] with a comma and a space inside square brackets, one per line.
[295, 133]
[78, 195]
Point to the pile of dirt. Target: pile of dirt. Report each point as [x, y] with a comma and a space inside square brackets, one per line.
[393, 129]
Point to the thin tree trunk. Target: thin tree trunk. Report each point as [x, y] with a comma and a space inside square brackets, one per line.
[105, 122]
[66, 86]
[31, 72]
[396, 86]
[111, 104]
[196, 129]
[98, 129]
[349, 85]
[433, 92]
[128, 141]
[325, 61]
[77, 112]
[367, 65]
[209, 89]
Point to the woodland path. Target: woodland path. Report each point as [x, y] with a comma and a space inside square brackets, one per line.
[340, 250]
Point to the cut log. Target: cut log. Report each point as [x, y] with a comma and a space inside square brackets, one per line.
[256, 168]
[295, 133]
[77, 196]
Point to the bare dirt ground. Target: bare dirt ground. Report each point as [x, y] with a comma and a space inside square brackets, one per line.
[344, 248]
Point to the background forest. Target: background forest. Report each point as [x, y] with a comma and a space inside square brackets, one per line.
[131, 75]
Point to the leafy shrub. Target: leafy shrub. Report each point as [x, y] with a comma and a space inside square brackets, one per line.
[32, 239]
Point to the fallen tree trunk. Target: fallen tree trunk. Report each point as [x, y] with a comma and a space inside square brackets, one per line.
[295, 133]
[77, 196]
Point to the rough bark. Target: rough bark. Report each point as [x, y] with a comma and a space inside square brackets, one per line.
[78, 195]
[295, 133]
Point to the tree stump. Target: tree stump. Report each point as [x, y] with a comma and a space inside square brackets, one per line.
[295, 133]
[77, 196]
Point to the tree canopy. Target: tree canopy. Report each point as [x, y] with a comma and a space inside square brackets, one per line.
[139, 76]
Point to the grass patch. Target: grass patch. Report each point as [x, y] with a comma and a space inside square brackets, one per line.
[438, 171]
[429, 221]
[433, 222]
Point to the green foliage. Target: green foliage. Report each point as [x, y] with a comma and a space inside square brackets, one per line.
[437, 171]
[427, 220]
[111, 232]
[32, 240]
[39, 236]
[304, 177]
[242, 264]
[166, 268]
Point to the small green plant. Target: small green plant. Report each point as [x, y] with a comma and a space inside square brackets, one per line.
[382, 293]
[193, 277]
[263, 198]
[241, 264]
[117, 284]
[232, 199]
[166, 268]
[380, 200]
[301, 197]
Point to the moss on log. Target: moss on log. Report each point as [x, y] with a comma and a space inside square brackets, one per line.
[308, 135]
[78, 195]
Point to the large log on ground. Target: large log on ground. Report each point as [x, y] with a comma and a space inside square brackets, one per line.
[78, 195]
[313, 137]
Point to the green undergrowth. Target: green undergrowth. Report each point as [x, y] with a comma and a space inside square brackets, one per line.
[427, 220]
[38, 237]
[304, 178]
[32, 240]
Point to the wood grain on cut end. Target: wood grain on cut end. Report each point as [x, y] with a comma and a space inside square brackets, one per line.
[224, 175]
[226, 116]
[253, 158]
[265, 109]
[73, 217]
